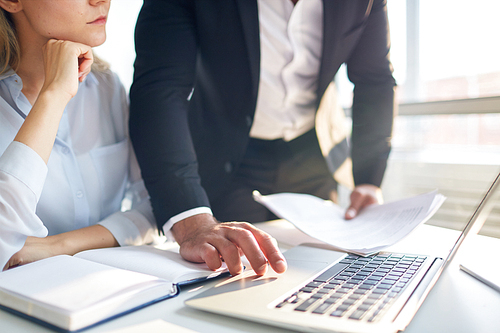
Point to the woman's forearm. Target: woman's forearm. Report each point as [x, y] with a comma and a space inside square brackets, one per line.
[70, 243]
[40, 127]
[93, 237]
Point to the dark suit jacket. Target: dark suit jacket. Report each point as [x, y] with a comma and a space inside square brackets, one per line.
[190, 142]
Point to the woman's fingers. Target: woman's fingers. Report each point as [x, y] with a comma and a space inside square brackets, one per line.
[66, 63]
[85, 60]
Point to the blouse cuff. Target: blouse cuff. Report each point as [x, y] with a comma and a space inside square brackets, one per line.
[23, 163]
[130, 228]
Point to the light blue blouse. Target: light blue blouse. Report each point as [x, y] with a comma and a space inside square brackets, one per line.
[91, 170]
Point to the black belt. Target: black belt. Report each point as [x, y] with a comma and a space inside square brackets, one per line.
[300, 143]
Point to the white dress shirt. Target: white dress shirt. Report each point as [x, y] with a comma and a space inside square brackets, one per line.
[91, 169]
[291, 40]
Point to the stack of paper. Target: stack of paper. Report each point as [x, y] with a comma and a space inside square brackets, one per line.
[373, 229]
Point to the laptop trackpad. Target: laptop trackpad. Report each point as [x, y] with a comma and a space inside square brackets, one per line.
[247, 279]
[303, 261]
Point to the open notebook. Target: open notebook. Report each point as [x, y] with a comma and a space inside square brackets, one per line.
[330, 291]
[69, 293]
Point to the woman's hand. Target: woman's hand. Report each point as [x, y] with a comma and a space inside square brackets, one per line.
[34, 249]
[65, 64]
[71, 242]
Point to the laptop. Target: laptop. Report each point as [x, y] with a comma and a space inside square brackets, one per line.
[329, 291]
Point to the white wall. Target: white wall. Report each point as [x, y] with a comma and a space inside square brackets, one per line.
[118, 50]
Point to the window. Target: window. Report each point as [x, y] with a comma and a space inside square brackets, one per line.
[447, 133]
[442, 50]
[451, 50]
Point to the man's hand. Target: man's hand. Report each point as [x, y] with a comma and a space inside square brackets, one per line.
[203, 239]
[362, 196]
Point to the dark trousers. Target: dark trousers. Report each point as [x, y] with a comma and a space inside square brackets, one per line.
[273, 166]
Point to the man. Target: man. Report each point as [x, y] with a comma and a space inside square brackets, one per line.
[224, 100]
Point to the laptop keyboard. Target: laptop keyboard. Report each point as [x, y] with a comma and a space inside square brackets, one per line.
[358, 288]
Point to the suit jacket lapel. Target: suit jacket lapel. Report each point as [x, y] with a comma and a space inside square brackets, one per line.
[335, 12]
[331, 21]
[249, 15]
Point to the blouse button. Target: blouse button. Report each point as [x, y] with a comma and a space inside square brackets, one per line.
[228, 167]
[79, 194]
[65, 150]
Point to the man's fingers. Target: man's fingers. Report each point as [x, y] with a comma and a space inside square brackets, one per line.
[230, 253]
[227, 241]
[212, 250]
[246, 241]
[362, 196]
[203, 252]
[356, 204]
[351, 213]
[263, 248]
[269, 246]
[210, 256]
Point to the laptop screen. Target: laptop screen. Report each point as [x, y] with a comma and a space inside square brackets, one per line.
[478, 217]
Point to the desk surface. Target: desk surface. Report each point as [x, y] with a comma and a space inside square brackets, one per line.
[458, 302]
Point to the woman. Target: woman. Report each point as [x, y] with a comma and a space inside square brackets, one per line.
[66, 163]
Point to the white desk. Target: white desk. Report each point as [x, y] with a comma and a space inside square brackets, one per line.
[458, 302]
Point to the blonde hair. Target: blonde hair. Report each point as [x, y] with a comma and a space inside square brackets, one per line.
[99, 65]
[9, 46]
[10, 53]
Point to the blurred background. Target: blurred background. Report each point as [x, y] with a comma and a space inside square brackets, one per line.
[446, 59]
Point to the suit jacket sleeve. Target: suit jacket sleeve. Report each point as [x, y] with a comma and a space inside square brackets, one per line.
[370, 70]
[166, 49]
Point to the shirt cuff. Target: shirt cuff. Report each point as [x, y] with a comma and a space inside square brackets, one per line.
[130, 228]
[23, 163]
[184, 215]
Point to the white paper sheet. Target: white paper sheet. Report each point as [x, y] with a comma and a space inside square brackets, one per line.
[375, 228]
